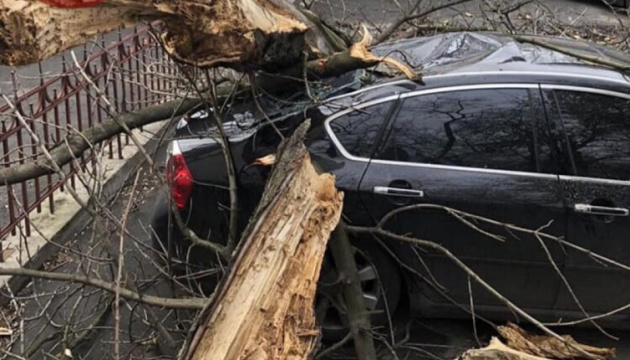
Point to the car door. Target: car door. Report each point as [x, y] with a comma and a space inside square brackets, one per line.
[484, 150]
[594, 141]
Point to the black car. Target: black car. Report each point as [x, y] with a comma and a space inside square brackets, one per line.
[621, 3]
[509, 131]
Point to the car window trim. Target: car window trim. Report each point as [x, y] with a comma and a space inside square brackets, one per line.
[400, 97]
[478, 73]
[391, 113]
[592, 90]
[587, 89]
[594, 180]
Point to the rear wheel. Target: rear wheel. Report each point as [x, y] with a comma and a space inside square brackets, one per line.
[380, 282]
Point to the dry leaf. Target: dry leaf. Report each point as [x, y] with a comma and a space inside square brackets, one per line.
[265, 160]
[5, 332]
[6, 253]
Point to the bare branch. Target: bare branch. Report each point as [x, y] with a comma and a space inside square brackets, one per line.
[171, 303]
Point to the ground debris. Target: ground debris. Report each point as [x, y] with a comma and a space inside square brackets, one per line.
[546, 346]
[521, 345]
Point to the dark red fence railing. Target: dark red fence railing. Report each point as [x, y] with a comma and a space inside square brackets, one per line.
[133, 72]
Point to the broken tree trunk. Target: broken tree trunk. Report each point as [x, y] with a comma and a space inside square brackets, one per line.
[243, 34]
[264, 308]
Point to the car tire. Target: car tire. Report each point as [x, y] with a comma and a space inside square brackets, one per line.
[381, 282]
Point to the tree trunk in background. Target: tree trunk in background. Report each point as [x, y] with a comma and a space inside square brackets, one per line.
[243, 34]
[264, 308]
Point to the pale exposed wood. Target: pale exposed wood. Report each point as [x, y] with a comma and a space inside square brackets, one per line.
[497, 350]
[546, 346]
[358, 56]
[264, 308]
[521, 345]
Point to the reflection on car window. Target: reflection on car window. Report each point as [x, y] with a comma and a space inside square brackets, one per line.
[598, 131]
[358, 130]
[474, 128]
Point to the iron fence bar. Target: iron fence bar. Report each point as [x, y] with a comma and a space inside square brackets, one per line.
[130, 53]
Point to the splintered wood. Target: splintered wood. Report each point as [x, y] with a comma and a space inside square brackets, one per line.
[521, 345]
[264, 308]
[546, 346]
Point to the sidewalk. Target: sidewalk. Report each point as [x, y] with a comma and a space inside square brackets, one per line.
[68, 220]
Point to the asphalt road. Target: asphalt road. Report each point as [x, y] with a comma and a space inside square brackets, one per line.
[386, 11]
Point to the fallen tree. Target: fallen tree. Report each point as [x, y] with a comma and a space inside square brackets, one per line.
[264, 308]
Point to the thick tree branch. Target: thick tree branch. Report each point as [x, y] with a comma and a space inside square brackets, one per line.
[75, 144]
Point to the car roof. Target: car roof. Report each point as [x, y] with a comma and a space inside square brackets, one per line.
[472, 57]
[450, 59]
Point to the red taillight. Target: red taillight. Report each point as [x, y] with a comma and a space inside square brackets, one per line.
[179, 180]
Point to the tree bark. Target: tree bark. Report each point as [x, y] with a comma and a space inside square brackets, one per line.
[242, 34]
[264, 308]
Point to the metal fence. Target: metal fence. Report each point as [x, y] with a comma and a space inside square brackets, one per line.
[133, 72]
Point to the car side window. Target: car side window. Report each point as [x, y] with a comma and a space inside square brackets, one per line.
[358, 130]
[597, 130]
[487, 128]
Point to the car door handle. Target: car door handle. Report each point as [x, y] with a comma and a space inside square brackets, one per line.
[600, 210]
[393, 191]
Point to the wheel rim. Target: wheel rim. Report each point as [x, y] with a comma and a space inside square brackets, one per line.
[329, 305]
